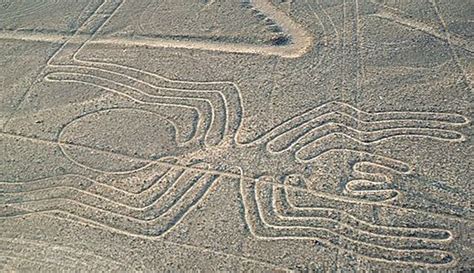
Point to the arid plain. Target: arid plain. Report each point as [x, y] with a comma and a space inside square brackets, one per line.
[263, 135]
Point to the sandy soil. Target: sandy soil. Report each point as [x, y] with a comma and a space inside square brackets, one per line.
[236, 135]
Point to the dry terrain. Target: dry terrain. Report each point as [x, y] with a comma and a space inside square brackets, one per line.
[236, 135]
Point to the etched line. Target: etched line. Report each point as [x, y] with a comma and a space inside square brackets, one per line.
[256, 218]
[301, 40]
[164, 163]
[412, 24]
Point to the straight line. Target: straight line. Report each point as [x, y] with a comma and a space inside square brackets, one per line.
[234, 175]
[43, 69]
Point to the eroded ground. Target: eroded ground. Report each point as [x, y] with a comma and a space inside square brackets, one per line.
[236, 135]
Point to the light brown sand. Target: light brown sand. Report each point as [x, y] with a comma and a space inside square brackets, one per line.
[236, 135]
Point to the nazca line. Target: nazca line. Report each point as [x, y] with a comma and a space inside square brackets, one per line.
[407, 236]
[438, 123]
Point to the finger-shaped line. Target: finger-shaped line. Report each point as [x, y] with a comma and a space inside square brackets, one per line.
[365, 132]
[74, 184]
[322, 208]
[371, 190]
[372, 181]
[103, 185]
[262, 228]
[152, 205]
[205, 120]
[89, 195]
[280, 214]
[215, 98]
[224, 96]
[311, 148]
[154, 226]
[339, 110]
[341, 107]
[230, 92]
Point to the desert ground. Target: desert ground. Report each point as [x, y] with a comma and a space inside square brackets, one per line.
[236, 135]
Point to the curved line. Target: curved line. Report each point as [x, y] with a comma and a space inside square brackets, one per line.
[131, 195]
[255, 233]
[139, 101]
[326, 138]
[85, 192]
[170, 204]
[206, 130]
[220, 94]
[353, 134]
[361, 116]
[342, 214]
[408, 240]
[132, 218]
